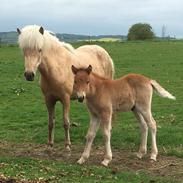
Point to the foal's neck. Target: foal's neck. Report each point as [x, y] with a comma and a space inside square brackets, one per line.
[97, 83]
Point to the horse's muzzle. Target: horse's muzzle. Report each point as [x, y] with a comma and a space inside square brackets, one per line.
[29, 76]
[81, 99]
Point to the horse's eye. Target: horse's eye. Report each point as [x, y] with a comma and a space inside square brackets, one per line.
[88, 82]
[40, 50]
[75, 82]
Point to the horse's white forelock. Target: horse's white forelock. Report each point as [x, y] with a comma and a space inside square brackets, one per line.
[31, 38]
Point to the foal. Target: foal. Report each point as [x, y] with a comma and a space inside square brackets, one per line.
[103, 96]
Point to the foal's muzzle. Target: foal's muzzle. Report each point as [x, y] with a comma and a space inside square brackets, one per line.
[29, 76]
[81, 99]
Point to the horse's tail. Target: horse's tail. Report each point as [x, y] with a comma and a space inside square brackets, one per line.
[161, 91]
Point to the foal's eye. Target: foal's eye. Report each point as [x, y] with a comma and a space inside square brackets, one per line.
[40, 50]
[88, 82]
[75, 82]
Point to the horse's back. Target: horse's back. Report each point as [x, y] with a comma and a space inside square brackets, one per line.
[97, 57]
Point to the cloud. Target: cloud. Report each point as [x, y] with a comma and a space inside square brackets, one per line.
[92, 16]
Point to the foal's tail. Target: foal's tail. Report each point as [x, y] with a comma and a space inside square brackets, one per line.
[161, 91]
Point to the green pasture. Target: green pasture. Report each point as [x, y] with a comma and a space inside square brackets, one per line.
[23, 118]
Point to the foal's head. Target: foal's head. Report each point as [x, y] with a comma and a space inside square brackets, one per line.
[31, 41]
[81, 82]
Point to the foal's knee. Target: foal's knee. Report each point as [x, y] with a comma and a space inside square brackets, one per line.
[90, 136]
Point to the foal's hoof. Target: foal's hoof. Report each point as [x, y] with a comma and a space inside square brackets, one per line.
[67, 148]
[81, 161]
[153, 158]
[140, 155]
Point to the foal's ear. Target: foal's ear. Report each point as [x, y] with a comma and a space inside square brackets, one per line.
[74, 70]
[19, 31]
[41, 30]
[88, 69]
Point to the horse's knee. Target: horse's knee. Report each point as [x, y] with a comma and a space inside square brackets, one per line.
[66, 125]
[50, 125]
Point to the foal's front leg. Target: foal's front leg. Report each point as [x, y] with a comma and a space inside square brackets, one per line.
[66, 109]
[94, 125]
[106, 128]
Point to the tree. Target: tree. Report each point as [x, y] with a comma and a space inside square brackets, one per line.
[140, 31]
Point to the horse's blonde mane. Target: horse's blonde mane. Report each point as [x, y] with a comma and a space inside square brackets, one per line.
[31, 38]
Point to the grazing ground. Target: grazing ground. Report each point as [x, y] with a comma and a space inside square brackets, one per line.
[24, 156]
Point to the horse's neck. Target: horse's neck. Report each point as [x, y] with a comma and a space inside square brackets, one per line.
[55, 61]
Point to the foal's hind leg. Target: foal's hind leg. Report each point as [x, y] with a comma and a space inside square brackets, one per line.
[152, 125]
[144, 134]
[50, 103]
[94, 124]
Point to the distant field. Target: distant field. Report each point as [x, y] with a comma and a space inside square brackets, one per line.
[107, 39]
[23, 123]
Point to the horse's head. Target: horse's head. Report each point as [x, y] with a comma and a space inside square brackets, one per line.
[81, 82]
[31, 42]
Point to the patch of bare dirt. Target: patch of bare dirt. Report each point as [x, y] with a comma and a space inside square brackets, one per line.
[123, 160]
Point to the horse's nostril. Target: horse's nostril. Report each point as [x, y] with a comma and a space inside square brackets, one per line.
[29, 76]
[32, 75]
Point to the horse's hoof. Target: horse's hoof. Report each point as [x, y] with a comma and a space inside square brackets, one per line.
[105, 163]
[81, 161]
[50, 144]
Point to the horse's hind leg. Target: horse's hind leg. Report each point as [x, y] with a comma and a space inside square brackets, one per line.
[144, 134]
[66, 109]
[50, 103]
[152, 125]
[94, 124]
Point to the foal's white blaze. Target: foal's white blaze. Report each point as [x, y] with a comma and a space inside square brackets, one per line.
[81, 94]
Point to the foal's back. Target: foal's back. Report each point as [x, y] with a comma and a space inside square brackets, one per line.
[128, 91]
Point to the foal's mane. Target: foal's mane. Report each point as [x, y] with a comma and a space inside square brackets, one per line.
[31, 38]
[98, 76]
[94, 74]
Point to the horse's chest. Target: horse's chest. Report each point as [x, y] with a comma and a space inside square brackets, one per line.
[56, 89]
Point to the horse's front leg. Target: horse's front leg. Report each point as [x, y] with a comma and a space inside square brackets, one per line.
[94, 125]
[50, 104]
[66, 110]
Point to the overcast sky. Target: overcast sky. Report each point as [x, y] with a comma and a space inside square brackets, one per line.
[93, 17]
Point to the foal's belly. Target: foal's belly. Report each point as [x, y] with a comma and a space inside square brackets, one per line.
[123, 105]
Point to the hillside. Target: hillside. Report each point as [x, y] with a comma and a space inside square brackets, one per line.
[12, 37]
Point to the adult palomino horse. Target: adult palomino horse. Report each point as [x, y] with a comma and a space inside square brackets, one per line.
[130, 92]
[53, 59]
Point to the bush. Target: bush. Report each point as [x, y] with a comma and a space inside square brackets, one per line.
[140, 31]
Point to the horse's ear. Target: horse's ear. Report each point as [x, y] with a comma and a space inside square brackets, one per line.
[19, 31]
[74, 70]
[41, 30]
[88, 69]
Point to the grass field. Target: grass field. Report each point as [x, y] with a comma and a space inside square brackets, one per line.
[24, 157]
